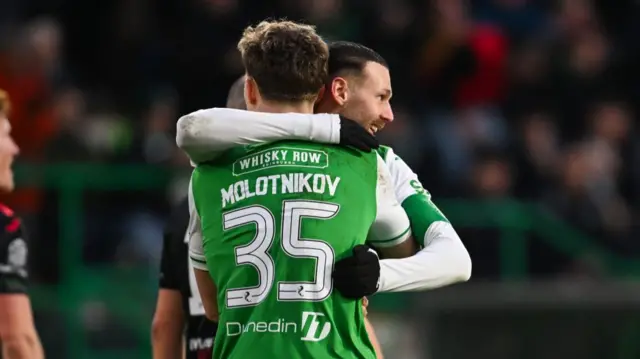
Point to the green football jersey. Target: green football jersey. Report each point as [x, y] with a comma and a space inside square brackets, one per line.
[273, 221]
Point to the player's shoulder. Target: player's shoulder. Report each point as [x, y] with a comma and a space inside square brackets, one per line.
[10, 223]
[6, 212]
[383, 151]
[387, 153]
[13, 245]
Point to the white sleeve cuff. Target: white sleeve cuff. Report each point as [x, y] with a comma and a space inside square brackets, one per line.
[198, 261]
[333, 130]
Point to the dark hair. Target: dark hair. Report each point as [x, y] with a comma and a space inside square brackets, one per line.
[288, 61]
[235, 98]
[346, 56]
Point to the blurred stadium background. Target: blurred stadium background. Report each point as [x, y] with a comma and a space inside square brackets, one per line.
[519, 116]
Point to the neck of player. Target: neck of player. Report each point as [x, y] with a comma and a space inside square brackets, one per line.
[283, 107]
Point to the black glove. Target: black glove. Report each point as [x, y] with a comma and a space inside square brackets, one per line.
[357, 276]
[354, 135]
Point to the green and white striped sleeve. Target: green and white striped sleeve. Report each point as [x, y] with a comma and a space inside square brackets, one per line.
[409, 192]
[391, 226]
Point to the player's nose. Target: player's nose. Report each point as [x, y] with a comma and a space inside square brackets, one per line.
[387, 113]
[14, 150]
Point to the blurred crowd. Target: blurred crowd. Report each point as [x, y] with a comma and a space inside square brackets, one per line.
[492, 98]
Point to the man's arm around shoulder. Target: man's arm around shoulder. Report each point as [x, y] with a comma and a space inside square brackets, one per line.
[444, 259]
[205, 134]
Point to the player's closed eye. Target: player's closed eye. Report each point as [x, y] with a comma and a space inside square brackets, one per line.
[384, 97]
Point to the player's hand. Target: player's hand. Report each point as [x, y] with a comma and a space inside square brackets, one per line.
[354, 135]
[357, 276]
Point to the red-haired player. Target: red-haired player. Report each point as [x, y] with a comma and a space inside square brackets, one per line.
[18, 336]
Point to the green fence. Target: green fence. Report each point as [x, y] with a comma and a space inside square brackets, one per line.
[79, 283]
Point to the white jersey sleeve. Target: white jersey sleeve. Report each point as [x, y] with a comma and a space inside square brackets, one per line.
[444, 259]
[405, 181]
[415, 200]
[391, 226]
[205, 134]
[194, 233]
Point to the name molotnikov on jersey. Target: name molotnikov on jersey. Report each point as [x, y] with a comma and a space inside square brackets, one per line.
[279, 184]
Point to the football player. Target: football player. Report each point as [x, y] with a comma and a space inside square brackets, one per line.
[18, 336]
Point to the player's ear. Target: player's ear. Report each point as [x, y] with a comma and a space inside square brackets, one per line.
[339, 90]
[251, 92]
